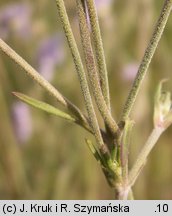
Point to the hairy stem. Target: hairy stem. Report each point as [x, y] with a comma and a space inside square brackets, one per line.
[124, 151]
[142, 157]
[92, 70]
[44, 83]
[80, 71]
[156, 36]
[97, 39]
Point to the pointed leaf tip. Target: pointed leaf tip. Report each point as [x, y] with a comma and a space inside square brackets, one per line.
[43, 106]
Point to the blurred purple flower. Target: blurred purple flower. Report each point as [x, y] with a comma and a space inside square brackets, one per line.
[49, 54]
[22, 121]
[129, 71]
[102, 4]
[15, 18]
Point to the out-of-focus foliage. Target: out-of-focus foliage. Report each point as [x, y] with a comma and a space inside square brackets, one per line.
[44, 157]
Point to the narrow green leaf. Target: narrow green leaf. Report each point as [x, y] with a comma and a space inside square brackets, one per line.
[43, 106]
[93, 150]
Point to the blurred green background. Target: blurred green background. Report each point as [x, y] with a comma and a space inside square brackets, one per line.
[44, 157]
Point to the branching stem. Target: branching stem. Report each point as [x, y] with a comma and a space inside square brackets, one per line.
[142, 157]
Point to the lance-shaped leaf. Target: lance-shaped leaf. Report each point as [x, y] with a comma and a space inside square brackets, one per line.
[44, 106]
[94, 150]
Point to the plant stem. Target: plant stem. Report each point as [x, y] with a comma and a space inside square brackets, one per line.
[154, 41]
[142, 157]
[80, 71]
[42, 82]
[92, 71]
[130, 195]
[124, 148]
[99, 50]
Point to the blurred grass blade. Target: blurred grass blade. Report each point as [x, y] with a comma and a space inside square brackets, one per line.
[43, 106]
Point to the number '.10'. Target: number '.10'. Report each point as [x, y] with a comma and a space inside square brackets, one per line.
[162, 207]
